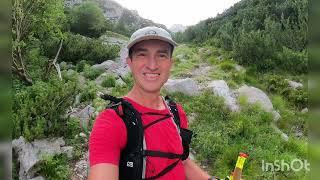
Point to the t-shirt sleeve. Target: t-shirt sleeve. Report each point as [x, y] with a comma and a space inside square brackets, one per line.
[183, 117]
[108, 137]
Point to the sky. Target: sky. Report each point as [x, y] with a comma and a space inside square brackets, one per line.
[185, 12]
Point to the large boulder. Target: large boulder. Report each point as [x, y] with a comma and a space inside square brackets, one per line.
[295, 85]
[186, 86]
[220, 88]
[105, 65]
[30, 154]
[255, 95]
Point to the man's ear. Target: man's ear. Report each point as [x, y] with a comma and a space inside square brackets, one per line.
[129, 61]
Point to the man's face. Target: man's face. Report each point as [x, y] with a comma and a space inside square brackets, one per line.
[150, 65]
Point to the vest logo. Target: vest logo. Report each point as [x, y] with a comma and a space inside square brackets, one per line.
[129, 164]
[151, 32]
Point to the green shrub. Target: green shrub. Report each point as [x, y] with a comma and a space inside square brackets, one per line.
[55, 167]
[38, 109]
[77, 47]
[227, 66]
[279, 85]
[89, 92]
[293, 61]
[91, 73]
[80, 65]
[110, 81]
[88, 19]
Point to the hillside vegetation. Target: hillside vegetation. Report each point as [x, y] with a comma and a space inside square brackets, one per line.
[56, 72]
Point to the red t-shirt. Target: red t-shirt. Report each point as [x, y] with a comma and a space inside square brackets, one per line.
[109, 137]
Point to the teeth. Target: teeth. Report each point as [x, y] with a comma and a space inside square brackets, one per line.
[151, 74]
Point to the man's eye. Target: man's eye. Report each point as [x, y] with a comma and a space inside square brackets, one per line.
[141, 54]
[163, 55]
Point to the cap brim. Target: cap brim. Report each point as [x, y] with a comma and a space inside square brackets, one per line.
[150, 38]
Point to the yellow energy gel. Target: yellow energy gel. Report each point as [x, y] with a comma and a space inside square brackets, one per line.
[240, 162]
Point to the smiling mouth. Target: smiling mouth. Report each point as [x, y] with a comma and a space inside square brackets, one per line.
[151, 75]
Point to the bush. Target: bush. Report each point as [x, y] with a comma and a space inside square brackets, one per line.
[77, 48]
[292, 61]
[80, 65]
[89, 92]
[55, 167]
[255, 49]
[110, 81]
[278, 85]
[38, 110]
[87, 19]
[227, 66]
[91, 73]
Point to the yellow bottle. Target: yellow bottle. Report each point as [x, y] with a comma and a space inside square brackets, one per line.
[237, 172]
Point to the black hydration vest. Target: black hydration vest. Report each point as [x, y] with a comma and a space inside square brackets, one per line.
[132, 165]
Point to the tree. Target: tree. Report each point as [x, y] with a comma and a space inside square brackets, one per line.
[87, 19]
[33, 20]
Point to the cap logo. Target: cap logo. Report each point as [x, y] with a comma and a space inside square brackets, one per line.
[151, 32]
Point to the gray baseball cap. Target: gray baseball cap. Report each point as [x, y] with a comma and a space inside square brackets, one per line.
[148, 33]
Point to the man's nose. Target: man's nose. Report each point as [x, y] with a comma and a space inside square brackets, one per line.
[152, 63]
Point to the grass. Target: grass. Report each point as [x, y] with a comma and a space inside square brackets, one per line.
[221, 135]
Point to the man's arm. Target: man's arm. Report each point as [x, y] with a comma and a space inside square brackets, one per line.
[193, 171]
[104, 171]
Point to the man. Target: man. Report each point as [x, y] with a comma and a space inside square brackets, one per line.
[150, 61]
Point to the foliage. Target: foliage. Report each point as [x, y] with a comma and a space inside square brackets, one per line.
[109, 81]
[80, 66]
[269, 34]
[87, 19]
[89, 92]
[221, 135]
[91, 73]
[279, 85]
[55, 167]
[77, 48]
[33, 20]
[38, 109]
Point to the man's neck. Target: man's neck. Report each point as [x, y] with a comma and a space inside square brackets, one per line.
[150, 100]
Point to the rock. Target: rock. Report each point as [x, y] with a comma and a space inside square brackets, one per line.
[101, 78]
[30, 154]
[186, 86]
[38, 178]
[305, 110]
[81, 80]
[84, 115]
[276, 116]
[113, 40]
[80, 170]
[105, 65]
[120, 82]
[191, 117]
[239, 68]
[283, 135]
[83, 135]
[295, 85]
[255, 95]
[220, 88]
[68, 150]
[63, 65]
[202, 70]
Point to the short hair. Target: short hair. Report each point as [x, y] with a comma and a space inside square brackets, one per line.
[131, 51]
